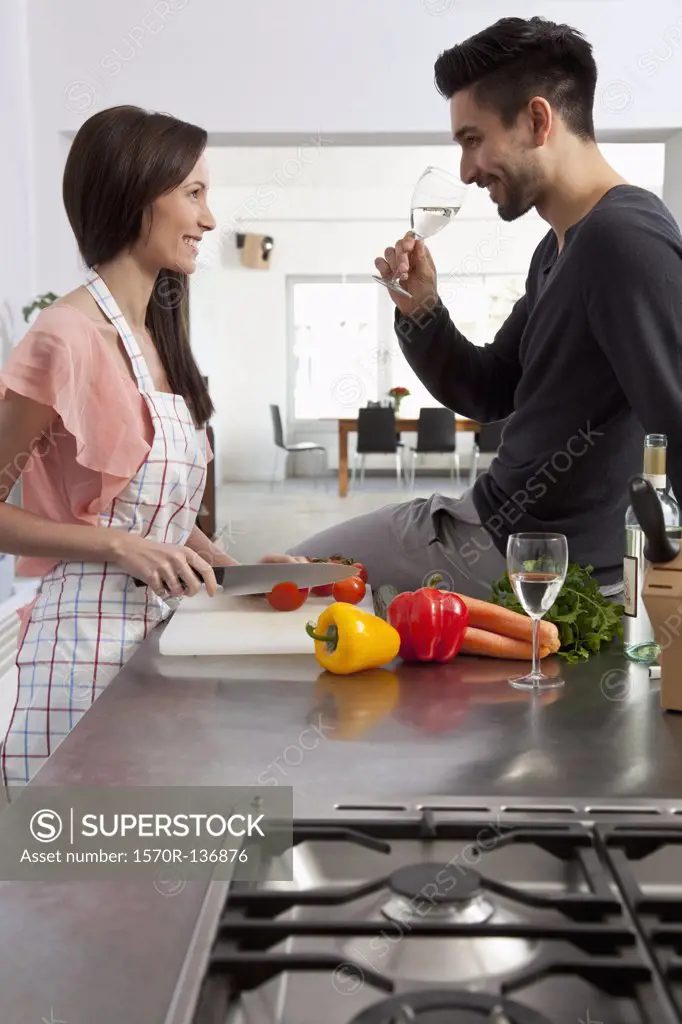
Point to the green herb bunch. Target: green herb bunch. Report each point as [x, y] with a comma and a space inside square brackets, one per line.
[584, 617]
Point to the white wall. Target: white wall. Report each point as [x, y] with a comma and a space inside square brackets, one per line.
[672, 184]
[16, 277]
[15, 172]
[360, 68]
[331, 210]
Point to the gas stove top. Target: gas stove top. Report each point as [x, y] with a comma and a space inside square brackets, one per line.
[441, 921]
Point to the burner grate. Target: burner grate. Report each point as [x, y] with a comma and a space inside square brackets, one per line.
[589, 937]
[566, 842]
[623, 849]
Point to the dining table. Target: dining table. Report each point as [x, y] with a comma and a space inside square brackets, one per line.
[349, 425]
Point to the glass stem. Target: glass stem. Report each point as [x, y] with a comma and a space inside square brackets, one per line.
[536, 646]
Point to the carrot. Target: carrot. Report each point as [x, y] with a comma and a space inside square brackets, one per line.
[496, 619]
[494, 645]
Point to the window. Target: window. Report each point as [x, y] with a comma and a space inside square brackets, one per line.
[345, 352]
[479, 305]
[338, 361]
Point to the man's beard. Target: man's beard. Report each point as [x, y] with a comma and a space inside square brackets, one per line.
[520, 196]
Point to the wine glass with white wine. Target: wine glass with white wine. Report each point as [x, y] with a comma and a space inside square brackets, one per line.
[537, 564]
[436, 200]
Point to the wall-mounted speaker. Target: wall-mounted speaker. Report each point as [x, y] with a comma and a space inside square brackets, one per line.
[256, 250]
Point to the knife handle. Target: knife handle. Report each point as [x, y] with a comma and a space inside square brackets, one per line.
[647, 508]
[141, 583]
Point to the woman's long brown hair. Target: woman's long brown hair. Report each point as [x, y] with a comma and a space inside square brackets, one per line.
[121, 160]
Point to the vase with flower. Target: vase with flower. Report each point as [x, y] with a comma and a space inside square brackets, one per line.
[397, 394]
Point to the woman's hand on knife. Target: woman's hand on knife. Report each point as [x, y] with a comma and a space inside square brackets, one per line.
[170, 570]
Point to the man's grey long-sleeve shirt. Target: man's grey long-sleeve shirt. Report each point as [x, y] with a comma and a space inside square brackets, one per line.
[588, 361]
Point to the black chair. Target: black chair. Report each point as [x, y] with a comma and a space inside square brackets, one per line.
[295, 449]
[486, 440]
[376, 436]
[436, 434]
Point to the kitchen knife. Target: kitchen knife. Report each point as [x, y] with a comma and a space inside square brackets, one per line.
[263, 576]
[647, 508]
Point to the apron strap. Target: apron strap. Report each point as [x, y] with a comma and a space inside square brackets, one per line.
[107, 303]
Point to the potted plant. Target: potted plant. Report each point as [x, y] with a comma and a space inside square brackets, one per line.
[32, 311]
[397, 394]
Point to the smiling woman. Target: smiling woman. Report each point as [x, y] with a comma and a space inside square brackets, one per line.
[103, 411]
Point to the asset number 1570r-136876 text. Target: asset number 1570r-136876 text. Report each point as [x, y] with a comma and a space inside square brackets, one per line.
[221, 856]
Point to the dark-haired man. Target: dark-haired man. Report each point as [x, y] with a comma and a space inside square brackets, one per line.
[589, 359]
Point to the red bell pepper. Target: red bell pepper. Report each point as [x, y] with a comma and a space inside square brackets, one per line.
[431, 624]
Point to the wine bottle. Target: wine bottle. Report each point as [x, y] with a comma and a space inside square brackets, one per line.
[638, 634]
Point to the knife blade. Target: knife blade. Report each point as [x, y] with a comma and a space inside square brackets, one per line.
[261, 577]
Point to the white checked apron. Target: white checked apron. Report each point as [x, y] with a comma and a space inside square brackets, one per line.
[89, 618]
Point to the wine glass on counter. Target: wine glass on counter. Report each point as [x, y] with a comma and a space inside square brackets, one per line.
[537, 564]
[436, 200]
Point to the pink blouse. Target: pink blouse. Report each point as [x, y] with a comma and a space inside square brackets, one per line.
[103, 432]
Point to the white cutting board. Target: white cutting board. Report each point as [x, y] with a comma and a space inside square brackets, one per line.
[242, 625]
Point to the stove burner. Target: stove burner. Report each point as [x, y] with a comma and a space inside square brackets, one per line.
[443, 1007]
[437, 883]
[437, 892]
[445, 892]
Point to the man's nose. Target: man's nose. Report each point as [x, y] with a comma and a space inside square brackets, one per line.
[468, 171]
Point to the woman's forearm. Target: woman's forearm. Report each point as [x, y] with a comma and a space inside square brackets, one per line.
[26, 534]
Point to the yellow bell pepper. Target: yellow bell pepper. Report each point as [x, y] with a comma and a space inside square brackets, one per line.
[351, 707]
[349, 640]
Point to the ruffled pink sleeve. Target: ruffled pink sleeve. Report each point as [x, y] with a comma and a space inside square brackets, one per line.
[65, 363]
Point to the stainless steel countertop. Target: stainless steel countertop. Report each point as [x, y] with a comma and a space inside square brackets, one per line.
[112, 953]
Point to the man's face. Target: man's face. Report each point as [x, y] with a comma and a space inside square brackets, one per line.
[506, 161]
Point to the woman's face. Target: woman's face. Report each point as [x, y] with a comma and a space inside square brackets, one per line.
[171, 236]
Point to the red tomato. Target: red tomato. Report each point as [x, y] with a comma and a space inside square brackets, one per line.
[351, 590]
[360, 571]
[325, 589]
[286, 597]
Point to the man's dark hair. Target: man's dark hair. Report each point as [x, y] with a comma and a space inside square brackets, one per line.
[515, 59]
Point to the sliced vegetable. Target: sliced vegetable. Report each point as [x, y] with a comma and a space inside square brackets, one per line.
[286, 597]
[351, 590]
[326, 589]
[497, 619]
[493, 645]
[431, 624]
[348, 639]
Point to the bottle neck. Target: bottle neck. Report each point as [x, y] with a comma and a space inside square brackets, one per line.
[655, 468]
[659, 481]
